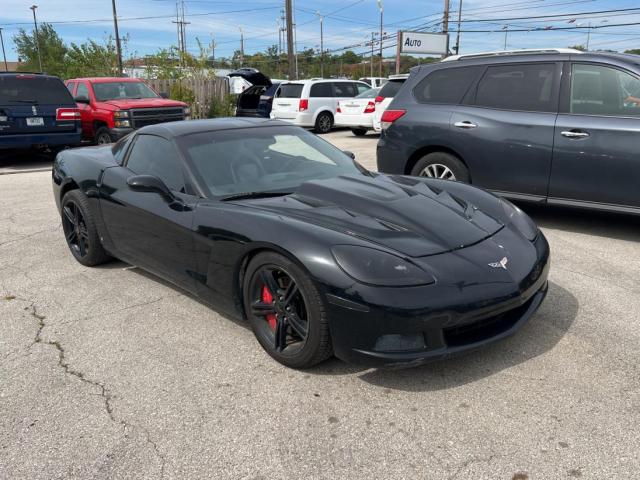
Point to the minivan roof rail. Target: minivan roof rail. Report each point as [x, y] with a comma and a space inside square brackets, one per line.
[522, 51]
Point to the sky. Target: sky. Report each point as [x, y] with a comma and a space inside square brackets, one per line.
[346, 23]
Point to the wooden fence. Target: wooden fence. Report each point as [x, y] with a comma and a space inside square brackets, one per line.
[205, 91]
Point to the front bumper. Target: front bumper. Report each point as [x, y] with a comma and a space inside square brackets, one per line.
[118, 133]
[441, 320]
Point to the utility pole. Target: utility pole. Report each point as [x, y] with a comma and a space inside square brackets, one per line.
[372, 35]
[458, 29]
[35, 23]
[115, 27]
[506, 33]
[588, 36]
[3, 52]
[213, 51]
[290, 55]
[321, 46]
[381, 36]
[182, 31]
[241, 47]
[445, 24]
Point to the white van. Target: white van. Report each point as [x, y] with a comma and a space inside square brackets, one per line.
[313, 103]
[375, 82]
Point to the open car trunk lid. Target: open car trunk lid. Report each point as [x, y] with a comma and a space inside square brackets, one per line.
[253, 76]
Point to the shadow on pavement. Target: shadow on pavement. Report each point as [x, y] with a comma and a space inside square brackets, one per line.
[589, 222]
[16, 161]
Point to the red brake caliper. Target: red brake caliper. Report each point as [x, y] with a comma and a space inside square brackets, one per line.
[268, 298]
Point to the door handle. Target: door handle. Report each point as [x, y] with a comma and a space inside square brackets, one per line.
[574, 134]
[465, 124]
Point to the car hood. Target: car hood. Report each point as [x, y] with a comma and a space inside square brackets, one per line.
[143, 103]
[404, 214]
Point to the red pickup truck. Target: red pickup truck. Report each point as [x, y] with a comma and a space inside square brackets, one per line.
[111, 107]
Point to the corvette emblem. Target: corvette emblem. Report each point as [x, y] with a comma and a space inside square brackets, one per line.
[501, 264]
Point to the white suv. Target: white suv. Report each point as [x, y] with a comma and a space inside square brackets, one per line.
[313, 103]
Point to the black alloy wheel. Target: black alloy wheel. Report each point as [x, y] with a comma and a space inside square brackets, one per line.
[285, 311]
[80, 230]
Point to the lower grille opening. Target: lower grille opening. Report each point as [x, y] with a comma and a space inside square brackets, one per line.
[484, 329]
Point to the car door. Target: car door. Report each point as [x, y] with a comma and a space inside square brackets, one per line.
[505, 127]
[145, 228]
[595, 156]
[86, 117]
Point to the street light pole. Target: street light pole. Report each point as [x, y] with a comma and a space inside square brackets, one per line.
[381, 34]
[506, 32]
[115, 27]
[321, 46]
[35, 23]
[241, 47]
[3, 52]
[290, 52]
[372, 34]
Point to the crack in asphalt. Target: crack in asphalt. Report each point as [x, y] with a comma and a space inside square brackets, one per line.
[471, 461]
[24, 237]
[104, 391]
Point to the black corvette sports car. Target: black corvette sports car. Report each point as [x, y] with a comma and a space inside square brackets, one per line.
[265, 220]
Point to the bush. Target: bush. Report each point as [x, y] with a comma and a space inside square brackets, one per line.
[223, 108]
[182, 93]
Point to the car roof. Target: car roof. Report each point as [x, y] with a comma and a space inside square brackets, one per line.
[106, 79]
[318, 80]
[177, 129]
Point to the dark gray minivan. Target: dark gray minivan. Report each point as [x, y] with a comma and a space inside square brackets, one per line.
[554, 126]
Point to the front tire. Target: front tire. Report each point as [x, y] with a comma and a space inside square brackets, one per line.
[324, 123]
[359, 132]
[286, 311]
[441, 165]
[103, 137]
[80, 230]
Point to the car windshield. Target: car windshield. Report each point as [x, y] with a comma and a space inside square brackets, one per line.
[371, 93]
[264, 159]
[122, 90]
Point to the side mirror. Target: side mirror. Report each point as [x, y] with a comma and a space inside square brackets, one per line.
[152, 184]
[164, 94]
[81, 99]
[350, 154]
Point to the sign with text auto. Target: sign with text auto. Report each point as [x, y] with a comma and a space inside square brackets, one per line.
[420, 42]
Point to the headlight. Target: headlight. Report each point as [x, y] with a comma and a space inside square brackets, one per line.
[122, 123]
[375, 267]
[187, 111]
[519, 220]
[121, 114]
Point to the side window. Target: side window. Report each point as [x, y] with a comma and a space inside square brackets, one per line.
[344, 89]
[119, 150]
[447, 85]
[599, 90]
[528, 87]
[322, 89]
[83, 91]
[71, 86]
[151, 155]
[361, 87]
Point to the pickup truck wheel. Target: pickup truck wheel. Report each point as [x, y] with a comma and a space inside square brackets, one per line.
[103, 137]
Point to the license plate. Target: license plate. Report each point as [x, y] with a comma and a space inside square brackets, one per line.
[35, 121]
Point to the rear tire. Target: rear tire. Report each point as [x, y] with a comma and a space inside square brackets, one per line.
[80, 230]
[324, 123]
[359, 132]
[441, 165]
[102, 136]
[305, 339]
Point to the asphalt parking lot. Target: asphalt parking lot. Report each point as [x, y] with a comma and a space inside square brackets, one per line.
[112, 373]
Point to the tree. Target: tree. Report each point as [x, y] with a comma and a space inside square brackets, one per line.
[635, 51]
[91, 59]
[582, 48]
[52, 50]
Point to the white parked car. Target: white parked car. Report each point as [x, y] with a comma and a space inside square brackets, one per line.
[386, 94]
[357, 113]
[313, 103]
[375, 82]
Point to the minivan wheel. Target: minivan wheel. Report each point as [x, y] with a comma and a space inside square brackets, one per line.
[324, 122]
[359, 132]
[441, 165]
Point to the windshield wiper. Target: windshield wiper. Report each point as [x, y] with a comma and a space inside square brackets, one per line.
[248, 195]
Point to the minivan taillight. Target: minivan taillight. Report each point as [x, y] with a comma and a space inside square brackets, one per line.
[379, 99]
[304, 105]
[371, 107]
[63, 114]
[390, 116]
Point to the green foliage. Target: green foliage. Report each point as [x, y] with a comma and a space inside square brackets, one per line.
[634, 51]
[582, 48]
[222, 108]
[91, 59]
[182, 93]
[52, 50]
